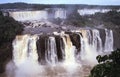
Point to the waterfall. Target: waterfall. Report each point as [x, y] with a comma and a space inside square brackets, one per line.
[60, 13]
[69, 50]
[25, 57]
[20, 47]
[32, 49]
[29, 15]
[59, 50]
[62, 46]
[91, 11]
[97, 42]
[51, 51]
[108, 41]
[38, 15]
[88, 52]
[82, 46]
[24, 47]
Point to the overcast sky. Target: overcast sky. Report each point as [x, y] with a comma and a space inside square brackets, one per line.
[93, 2]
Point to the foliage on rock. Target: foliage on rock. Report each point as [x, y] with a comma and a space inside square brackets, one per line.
[110, 18]
[9, 28]
[75, 19]
[109, 65]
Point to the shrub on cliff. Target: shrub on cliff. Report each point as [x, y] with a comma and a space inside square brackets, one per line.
[9, 28]
[75, 19]
[112, 17]
[109, 65]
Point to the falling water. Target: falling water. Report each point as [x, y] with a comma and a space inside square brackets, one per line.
[25, 57]
[69, 50]
[37, 15]
[25, 53]
[69, 63]
[32, 49]
[88, 52]
[20, 47]
[97, 42]
[51, 51]
[29, 15]
[60, 13]
[24, 47]
[108, 41]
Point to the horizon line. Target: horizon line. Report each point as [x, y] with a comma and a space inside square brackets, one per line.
[61, 4]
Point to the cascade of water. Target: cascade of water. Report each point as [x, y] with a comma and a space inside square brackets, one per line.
[32, 49]
[60, 13]
[97, 42]
[69, 50]
[20, 47]
[51, 51]
[29, 15]
[25, 56]
[88, 53]
[82, 47]
[62, 48]
[25, 53]
[108, 41]
[24, 47]
[89, 37]
[91, 11]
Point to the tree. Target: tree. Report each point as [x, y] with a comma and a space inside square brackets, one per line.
[9, 28]
[112, 16]
[75, 19]
[109, 65]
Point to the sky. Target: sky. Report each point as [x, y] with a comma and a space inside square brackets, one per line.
[92, 2]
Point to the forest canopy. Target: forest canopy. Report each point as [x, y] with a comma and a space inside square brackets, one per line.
[9, 28]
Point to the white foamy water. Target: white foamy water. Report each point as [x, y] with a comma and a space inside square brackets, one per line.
[108, 41]
[25, 54]
[29, 15]
[51, 51]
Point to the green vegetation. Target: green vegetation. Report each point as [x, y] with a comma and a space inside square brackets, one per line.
[9, 28]
[109, 19]
[112, 17]
[75, 19]
[23, 6]
[109, 65]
